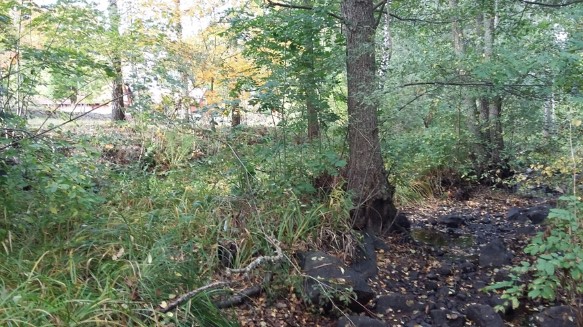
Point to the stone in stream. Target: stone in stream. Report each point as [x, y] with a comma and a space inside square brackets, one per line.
[484, 316]
[494, 254]
[360, 321]
[328, 282]
[559, 316]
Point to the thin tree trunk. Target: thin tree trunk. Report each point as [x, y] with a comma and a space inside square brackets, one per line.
[117, 104]
[478, 151]
[310, 84]
[235, 114]
[495, 128]
[184, 104]
[387, 48]
[549, 116]
[367, 177]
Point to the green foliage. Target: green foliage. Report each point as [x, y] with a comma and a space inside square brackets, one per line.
[57, 193]
[557, 269]
[301, 51]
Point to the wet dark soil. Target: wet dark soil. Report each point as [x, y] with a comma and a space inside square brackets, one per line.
[438, 271]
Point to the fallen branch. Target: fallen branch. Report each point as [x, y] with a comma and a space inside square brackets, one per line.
[240, 297]
[237, 298]
[255, 263]
[185, 297]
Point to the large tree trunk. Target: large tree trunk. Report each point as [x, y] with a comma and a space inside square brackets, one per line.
[117, 104]
[367, 178]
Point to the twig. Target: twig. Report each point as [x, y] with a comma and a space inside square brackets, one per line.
[291, 6]
[558, 5]
[255, 263]
[187, 296]
[244, 294]
[11, 144]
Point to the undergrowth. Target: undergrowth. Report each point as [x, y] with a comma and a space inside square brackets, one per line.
[102, 230]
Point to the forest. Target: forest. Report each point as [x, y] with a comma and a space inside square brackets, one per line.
[291, 163]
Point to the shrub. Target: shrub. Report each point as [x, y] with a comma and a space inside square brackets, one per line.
[557, 265]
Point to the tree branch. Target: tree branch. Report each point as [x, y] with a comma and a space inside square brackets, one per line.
[187, 296]
[558, 5]
[407, 19]
[478, 84]
[71, 119]
[272, 3]
[381, 13]
[380, 4]
[255, 263]
[241, 296]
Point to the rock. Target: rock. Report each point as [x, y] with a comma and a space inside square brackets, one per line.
[501, 275]
[360, 321]
[365, 258]
[432, 276]
[379, 244]
[401, 224]
[417, 323]
[494, 254]
[445, 269]
[467, 267]
[451, 221]
[328, 279]
[516, 214]
[559, 316]
[525, 230]
[447, 318]
[537, 214]
[484, 316]
[431, 285]
[496, 300]
[443, 292]
[396, 303]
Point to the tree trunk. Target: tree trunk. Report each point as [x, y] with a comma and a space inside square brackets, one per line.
[367, 178]
[549, 116]
[387, 47]
[184, 104]
[117, 105]
[235, 114]
[495, 127]
[309, 86]
[478, 150]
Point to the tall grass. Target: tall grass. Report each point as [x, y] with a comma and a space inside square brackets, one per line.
[87, 240]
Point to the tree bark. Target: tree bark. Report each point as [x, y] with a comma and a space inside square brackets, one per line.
[184, 104]
[387, 47]
[117, 104]
[235, 115]
[484, 110]
[549, 116]
[478, 150]
[495, 127]
[367, 178]
[309, 85]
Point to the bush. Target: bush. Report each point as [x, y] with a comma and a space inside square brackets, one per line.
[557, 265]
